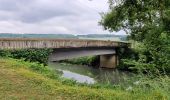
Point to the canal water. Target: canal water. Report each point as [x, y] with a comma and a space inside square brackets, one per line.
[90, 75]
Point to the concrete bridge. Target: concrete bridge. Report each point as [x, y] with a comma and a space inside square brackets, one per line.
[70, 48]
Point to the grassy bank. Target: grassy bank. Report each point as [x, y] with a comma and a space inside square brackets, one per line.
[24, 80]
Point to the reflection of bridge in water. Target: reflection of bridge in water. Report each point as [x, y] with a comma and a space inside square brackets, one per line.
[69, 48]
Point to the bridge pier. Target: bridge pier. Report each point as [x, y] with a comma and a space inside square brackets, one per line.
[109, 61]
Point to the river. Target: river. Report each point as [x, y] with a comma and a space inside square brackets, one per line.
[90, 75]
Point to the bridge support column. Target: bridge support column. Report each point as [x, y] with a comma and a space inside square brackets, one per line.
[109, 61]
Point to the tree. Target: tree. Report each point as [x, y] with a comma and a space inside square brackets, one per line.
[146, 21]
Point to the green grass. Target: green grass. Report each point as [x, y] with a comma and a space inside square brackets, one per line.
[21, 80]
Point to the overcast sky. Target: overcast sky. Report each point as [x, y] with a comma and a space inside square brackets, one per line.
[52, 16]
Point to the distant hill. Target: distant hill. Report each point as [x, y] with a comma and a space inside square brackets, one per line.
[110, 37]
[8, 35]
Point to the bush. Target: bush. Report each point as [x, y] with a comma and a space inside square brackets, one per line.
[5, 53]
[90, 60]
[148, 57]
[32, 55]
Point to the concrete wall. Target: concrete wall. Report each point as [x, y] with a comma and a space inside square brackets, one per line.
[108, 61]
[20, 43]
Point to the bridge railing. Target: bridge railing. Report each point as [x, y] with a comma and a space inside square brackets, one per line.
[22, 43]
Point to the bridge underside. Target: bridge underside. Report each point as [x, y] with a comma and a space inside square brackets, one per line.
[108, 57]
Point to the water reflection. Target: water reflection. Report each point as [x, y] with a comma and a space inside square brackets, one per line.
[78, 77]
[85, 74]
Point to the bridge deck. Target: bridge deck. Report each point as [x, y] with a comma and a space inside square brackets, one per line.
[21, 43]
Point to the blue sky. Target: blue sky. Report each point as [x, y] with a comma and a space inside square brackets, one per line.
[52, 16]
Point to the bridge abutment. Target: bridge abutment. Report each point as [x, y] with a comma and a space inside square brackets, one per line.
[109, 61]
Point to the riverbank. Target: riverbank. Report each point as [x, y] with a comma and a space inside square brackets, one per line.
[25, 80]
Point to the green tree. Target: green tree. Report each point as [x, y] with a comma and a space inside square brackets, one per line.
[146, 21]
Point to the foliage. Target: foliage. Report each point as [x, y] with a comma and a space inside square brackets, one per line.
[148, 23]
[89, 60]
[5, 53]
[126, 54]
[138, 17]
[33, 55]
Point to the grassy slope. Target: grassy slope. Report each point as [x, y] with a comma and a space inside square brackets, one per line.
[17, 81]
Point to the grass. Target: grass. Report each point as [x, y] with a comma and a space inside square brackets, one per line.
[32, 81]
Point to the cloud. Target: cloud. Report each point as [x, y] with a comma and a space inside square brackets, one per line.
[52, 16]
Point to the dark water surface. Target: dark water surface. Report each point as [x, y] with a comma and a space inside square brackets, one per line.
[90, 75]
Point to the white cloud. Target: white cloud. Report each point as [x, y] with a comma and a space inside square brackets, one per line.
[52, 16]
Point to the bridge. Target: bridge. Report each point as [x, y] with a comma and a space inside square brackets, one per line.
[69, 48]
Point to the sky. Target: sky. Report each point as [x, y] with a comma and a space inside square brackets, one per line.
[52, 16]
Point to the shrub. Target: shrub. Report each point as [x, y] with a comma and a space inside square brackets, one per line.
[90, 60]
[32, 55]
